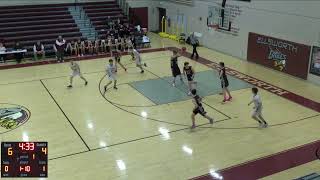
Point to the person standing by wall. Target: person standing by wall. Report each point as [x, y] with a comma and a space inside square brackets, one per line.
[194, 42]
[59, 47]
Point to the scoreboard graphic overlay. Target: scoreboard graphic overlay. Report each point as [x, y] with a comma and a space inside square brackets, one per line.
[24, 159]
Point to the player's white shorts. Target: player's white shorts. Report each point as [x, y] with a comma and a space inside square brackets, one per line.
[112, 77]
[75, 73]
[257, 112]
[138, 63]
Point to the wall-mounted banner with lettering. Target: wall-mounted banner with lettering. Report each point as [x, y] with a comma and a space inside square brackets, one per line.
[315, 61]
[289, 57]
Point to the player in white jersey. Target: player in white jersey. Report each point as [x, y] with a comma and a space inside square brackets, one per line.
[117, 57]
[257, 109]
[136, 56]
[75, 72]
[111, 73]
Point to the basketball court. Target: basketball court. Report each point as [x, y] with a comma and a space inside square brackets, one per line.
[142, 130]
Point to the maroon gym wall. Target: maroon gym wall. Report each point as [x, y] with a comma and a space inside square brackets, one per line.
[139, 14]
[267, 51]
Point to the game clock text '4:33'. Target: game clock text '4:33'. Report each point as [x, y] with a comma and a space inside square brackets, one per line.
[24, 159]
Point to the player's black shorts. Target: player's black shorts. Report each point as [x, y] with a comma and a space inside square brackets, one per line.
[175, 71]
[224, 83]
[199, 110]
[118, 59]
[190, 77]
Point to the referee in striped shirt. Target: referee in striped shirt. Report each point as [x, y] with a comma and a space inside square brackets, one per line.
[194, 42]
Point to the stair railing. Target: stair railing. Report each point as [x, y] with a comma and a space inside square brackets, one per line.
[86, 18]
[80, 9]
[123, 5]
[120, 3]
[96, 36]
[75, 4]
[91, 24]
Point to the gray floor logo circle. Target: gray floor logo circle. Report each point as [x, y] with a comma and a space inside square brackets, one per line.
[12, 116]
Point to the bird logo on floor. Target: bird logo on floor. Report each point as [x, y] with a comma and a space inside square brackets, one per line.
[12, 116]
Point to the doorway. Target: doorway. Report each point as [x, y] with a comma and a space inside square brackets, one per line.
[162, 12]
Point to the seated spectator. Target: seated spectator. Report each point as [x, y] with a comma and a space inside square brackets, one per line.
[2, 56]
[119, 44]
[121, 31]
[103, 46]
[126, 30]
[78, 47]
[111, 32]
[129, 44]
[82, 47]
[118, 20]
[113, 45]
[109, 44]
[89, 47]
[38, 50]
[59, 48]
[122, 45]
[72, 48]
[110, 23]
[133, 41]
[145, 41]
[18, 56]
[75, 48]
[116, 34]
[116, 25]
[138, 28]
[96, 46]
[68, 48]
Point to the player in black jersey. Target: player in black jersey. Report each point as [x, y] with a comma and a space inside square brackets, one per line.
[198, 108]
[189, 72]
[175, 67]
[224, 82]
[117, 57]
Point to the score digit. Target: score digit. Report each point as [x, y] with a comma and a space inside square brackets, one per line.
[31, 146]
[27, 168]
[44, 149]
[21, 145]
[10, 152]
[6, 168]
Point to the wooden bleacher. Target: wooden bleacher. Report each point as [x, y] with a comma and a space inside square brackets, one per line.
[28, 24]
[31, 23]
[98, 14]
